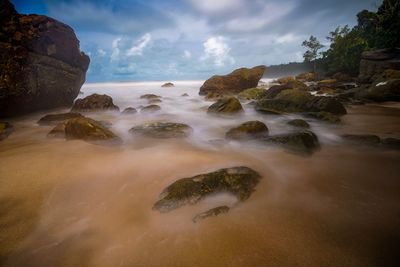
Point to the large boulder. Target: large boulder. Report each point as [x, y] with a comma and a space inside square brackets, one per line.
[41, 65]
[383, 91]
[303, 142]
[251, 94]
[94, 102]
[248, 130]
[239, 181]
[89, 130]
[233, 83]
[226, 105]
[162, 130]
[5, 130]
[375, 62]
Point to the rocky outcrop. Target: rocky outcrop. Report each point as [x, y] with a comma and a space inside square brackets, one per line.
[210, 213]
[95, 102]
[239, 181]
[382, 91]
[375, 62]
[5, 130]
[248, 130]
[226, 105]
[41, 66]
[162, 130]
[233, 83]
[52, 119]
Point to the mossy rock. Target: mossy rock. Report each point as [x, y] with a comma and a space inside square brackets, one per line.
[328, 83]
[306, 77]
[251, 94]
[94, 102]
[303, 142]
[150, 108]
[286, 79]
[185, 94]
[52, 119]
[129, 111]
[297, 97]
[299, 123]
[226, 105]
[154, 100]
[214, 96]
[248, 130]
[325, 104]
[162, 130]
[5, 130]
[239, 181]
[150, 96]
[210, 213]
[324, 116]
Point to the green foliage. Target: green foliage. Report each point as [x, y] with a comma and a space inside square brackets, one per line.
[313, 46]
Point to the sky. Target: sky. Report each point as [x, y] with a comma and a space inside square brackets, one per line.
[134, 40]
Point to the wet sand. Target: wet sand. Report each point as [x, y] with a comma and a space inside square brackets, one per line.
[70, 203]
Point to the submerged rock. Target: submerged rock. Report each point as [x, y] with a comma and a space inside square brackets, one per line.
[324, 116]
[184, 94]
[52, 119]
[150, 108]
[162, 130]
[154, 100]
[41, 65]
[362, 139]
[129, 110]
[150, 96]
[240, 181]
[299, 123]
[233, 83]
[168, 85]
[5, 130]
[303, 142]
[95, 102]
[210, 213]
[251, 94]
[226, 105]
[248, 130]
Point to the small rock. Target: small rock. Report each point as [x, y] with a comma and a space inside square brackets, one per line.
[52, 119]
[129, 110]
[248, 130]
[162, 130]
[210, 213]
[185, 94]
[150, 108]
[94, 102]
[154, 100]
[226, 105]
[303, 142]
[5, 130]
[150, 96]
[299, 123]
[362, 139]
[168, 85]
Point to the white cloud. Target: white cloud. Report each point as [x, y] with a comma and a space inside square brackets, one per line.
[141, 44]
[115, 48]
[187, 54]
[217, 6]
[101, 52]
[217, 49]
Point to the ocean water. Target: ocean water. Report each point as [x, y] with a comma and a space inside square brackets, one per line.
[72, 203]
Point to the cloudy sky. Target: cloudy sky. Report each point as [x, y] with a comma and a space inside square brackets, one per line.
[193, 39]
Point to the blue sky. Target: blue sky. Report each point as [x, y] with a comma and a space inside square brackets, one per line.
[193, 39]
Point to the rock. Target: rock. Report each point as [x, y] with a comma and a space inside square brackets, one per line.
[227, 105]
[154, 100]
[386, 75]
[41, 66]
[5, 130]
[306, 77]
[328, 83]
[240, 181]
[150, 96]
[248, 130]
[210, 213]
[375, 62]
[299, 123]
[325, 104]
[286, 79]
[362, 139]
[324, 116]
[383, 91]
[52, 119]
[94, 102]
[327, 91]
[251, 94]
[391, 143]
[185, 94]
[303, 142]
[162, 130]
[129, 110]
[84, 128]
[233, 83]
[168, 85]
[150, 108]
[213, 96]
[273, 91]
[342, 77]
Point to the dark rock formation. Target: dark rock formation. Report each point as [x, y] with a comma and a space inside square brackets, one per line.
[299, 123]
[248, 130]
[375, 62]
[306, 77]
[129, 110]
[150, 96]
[233, 83]
[5, 130]
[150, 108]
[41, 66]
[226, 105]
[303, 142]
[380, 92]
[210, 213]
[240, 181]
[94, 102]
[162, 130]
[52, 119]
[371, 140]
[168, 85]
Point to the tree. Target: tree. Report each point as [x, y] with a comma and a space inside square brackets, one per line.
[311, 55]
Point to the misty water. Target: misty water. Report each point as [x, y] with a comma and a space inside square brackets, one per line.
[72, 203]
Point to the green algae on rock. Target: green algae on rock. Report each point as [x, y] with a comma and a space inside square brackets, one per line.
[248, 130]
[251, 94]
[162, 130]
[299, 123]
[95, 102]
[226, 105]
[302, 142]
[239, 181]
